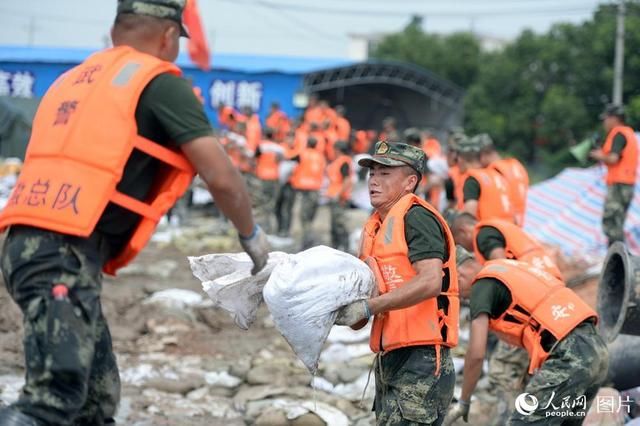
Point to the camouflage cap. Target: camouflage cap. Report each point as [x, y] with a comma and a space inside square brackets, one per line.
[462, 255]
[165, 9]
[469, 145]
[454, 140]
[396, 154]
[484, 140]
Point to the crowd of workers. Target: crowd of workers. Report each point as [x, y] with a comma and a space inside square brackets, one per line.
[116, 141]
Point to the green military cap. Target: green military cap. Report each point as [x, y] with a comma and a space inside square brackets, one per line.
[396, 154]
[165, 9]
[454, 140]
[462, 255]
[484, 140]
[467, 145]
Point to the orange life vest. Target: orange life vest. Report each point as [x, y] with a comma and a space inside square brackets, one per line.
[331, 137]
[254, 132]
[432, 148]
[494, 202]
[279, 122]
[269, 160]
[539, 303]
[519, 245]
[83, 134]
[517, 180]
[361, 143]
[309, 173]
[624, 171]
[431, 322]
[336, 179]
[456, 178]
[343, 128]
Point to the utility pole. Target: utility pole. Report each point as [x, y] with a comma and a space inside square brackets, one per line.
[618, 64]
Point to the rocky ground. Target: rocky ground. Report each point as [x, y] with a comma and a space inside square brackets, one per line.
[185, 363]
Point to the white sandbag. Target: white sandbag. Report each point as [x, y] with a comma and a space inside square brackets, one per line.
[306, 289]
[227, 279]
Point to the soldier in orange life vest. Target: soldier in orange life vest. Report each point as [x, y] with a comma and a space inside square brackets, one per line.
[511, 169]
[267, 156]
[499, 239]
[341, 174]
[410, 249]
[116, 141]
[530, 308]
[279, 122]
[307, 179]
[485, 193]
[453, 185]
[620, 155]
[342, 125]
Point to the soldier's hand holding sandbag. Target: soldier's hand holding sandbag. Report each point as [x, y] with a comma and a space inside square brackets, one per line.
[353, 313]
[257, 247]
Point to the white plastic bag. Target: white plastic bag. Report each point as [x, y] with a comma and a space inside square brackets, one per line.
[306, 289]
[227, 279]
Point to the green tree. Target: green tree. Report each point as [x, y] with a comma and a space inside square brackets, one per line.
[455, 57]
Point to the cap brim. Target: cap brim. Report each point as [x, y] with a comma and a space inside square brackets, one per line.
[183, 31]
[390, 162]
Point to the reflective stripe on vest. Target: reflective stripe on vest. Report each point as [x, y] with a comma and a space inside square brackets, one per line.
[624, 171]
[83, 134]
[539, 303]
[431, 322]
[519, 246]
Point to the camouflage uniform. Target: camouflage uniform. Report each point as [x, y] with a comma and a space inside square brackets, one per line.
[284, 208]
[339, 232]
[71, 371]
[408, 391]
[616, 204]
[577, 366]
[507, 375]
[265, 204]
[308, 209]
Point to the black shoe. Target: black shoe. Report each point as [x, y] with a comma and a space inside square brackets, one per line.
[12, 417]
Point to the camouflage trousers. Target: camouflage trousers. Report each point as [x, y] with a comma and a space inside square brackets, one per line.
[308, 209]
[339, 232]
[616, 204]
[508, 367]
[567, 382]
[266, 204]
[408, 391]
[71, 372]
[284, 208]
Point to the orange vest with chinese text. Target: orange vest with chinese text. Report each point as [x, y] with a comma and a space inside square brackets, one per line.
[431, 322]
[540, 304]
[83, 134]
[269, 160]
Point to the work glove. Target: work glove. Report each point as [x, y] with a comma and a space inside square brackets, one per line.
[353, 313]
[461, 409]
[257, 247]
